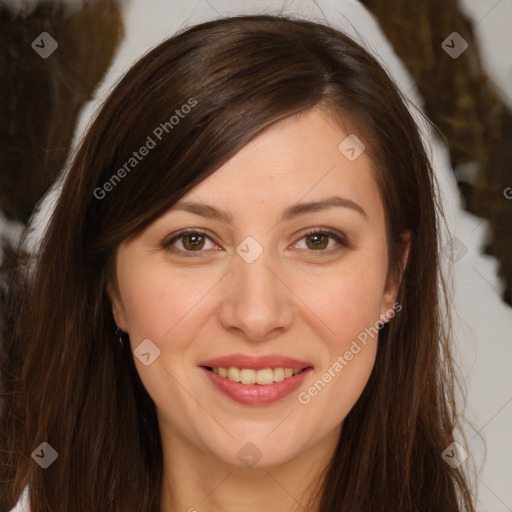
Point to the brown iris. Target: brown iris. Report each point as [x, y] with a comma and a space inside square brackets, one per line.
[317, 244]
[193, 241]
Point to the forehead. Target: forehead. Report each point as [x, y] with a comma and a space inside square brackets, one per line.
[298, 159]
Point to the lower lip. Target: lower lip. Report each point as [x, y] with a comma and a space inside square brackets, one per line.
[256, 394]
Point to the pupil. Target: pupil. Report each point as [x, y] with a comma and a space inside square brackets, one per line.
[193, 240]
[317, 240]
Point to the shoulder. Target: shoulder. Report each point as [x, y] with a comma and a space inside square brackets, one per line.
[23, 503]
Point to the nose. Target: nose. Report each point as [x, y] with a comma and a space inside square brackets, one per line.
[258, 303]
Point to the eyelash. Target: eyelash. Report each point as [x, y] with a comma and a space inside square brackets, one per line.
[341, 239]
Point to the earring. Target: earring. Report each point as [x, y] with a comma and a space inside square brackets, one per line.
[122, 336]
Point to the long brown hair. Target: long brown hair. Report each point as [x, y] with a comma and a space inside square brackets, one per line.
[65, 380]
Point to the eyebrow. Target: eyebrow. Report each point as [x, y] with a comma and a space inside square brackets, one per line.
[211, 212]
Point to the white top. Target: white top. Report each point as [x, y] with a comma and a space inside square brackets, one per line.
[23, 503]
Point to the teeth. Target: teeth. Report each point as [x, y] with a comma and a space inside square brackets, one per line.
[278, 374]
[265, 376]
[262, 377]
[234, 374]
[248, 376]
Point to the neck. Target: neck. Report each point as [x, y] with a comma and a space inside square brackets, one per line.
[197, 481]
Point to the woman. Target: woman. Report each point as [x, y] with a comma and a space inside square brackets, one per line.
[238, 299]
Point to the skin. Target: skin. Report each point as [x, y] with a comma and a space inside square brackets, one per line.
[294, 300]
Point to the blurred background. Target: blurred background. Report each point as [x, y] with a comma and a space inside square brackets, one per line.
[452, 59]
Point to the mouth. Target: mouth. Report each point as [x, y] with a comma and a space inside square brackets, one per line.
[252, 387]
[249, 376]
[256, 380]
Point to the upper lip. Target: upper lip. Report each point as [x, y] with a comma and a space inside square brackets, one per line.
[255, 362]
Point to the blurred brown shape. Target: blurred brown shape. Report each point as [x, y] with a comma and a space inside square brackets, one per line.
[462, 103]
[40, 99]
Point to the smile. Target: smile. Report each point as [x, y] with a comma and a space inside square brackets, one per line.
[262, 377]
[252, 393]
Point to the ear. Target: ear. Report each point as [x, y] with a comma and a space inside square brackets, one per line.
[394, 280]
[117, 306]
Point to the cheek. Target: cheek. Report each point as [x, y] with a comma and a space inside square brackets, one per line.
[160, 306]
[155, 299]
[349, 298]
[350, 307]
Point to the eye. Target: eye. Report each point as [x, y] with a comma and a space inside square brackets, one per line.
[191, 240]
[317, 240]
[194, 240]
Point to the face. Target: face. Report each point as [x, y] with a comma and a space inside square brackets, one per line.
[252, 285]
